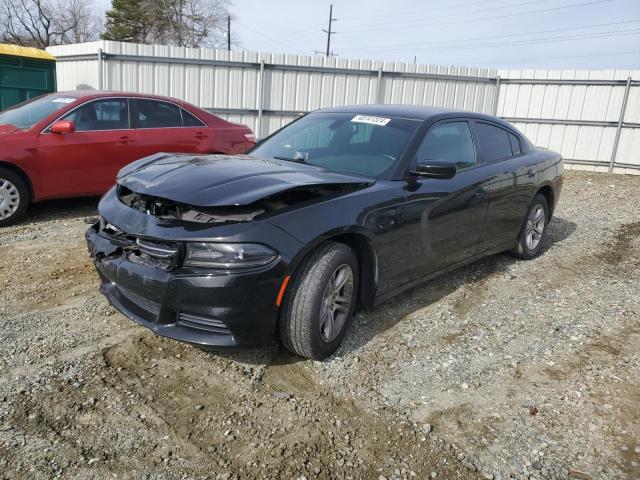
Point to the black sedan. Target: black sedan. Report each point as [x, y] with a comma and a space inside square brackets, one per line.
[337, 211]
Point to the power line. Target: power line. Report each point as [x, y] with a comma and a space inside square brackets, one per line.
[297, 34]
[458, 14]
[615, 33]
[462, 40]
[494, 62]
[267, 37]
[277, 40]
[423, 10]
[473, 20]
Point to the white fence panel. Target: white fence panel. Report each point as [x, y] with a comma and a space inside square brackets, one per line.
[228, 82]
[576, 112]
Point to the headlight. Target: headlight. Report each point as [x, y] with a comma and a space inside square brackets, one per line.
[228, 255]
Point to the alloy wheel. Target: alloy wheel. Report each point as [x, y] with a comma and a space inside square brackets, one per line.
[535, 227]
[336, 303]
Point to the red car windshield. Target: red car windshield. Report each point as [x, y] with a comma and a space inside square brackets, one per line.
[27, 114]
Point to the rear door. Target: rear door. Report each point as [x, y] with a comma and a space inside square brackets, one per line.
[448, 214]
[86, 161]
[166, 127]
[514, 177]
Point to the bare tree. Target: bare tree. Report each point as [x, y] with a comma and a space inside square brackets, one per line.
[205, 23]
[190, 23]
[42, 23]
[88, 24]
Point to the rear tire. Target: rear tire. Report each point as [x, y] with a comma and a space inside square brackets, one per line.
[14, 197]
[320, 303]
[534, 229]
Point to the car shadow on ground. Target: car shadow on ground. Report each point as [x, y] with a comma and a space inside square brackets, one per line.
[63, 209]
[389, 313]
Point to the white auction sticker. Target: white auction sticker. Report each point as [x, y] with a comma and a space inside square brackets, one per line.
[381, 121]
[63, 100]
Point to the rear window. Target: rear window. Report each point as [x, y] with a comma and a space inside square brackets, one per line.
[156, 114]
[515, 144]
[189, 120]
[494, 142]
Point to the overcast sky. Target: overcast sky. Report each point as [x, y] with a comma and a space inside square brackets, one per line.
[498, 33]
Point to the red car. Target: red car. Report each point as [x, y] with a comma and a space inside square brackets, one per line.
[72, 144]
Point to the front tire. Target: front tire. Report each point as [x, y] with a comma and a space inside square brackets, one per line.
[534, 229]
[320, 303]
[14, 197]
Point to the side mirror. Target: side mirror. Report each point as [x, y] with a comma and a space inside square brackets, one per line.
[434, 169]
[63, 126]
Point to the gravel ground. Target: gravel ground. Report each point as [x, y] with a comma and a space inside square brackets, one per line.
[501, 369]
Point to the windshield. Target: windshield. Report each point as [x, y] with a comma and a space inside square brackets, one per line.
[27, 114]
[343, 142]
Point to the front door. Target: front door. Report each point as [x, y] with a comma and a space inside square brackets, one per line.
[448, 214]
[86, 161]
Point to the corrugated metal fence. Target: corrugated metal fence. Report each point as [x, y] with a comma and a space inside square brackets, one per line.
[591, 117]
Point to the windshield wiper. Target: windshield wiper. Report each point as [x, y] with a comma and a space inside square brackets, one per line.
[295, 159]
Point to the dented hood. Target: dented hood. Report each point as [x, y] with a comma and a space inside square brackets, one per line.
[220, 180]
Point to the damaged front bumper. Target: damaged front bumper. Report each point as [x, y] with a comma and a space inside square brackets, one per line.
[200, 306]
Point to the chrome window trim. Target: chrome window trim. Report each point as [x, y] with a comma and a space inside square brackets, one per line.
[47, 130]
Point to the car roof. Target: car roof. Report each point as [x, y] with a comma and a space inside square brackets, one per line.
[83, 94]
[412, 111]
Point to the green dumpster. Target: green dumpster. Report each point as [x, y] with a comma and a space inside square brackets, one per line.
[25, 73]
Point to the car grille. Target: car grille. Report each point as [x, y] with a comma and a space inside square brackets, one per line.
[203, 323]
[163, 255]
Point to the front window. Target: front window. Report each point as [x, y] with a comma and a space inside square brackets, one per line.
[27, 114]
[343, 142]
[108, 114]
[448, 143]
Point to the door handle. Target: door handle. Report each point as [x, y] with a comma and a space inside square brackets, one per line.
[386, 223]
[388, 219]
[481, 192]
[201, 135]
[126, 139]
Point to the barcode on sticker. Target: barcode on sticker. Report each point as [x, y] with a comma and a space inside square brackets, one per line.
[381, 121]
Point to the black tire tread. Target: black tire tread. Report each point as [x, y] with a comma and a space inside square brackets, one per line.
[295, 332]
[519, 250]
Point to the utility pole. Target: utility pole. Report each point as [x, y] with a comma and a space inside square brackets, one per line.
[329, 31]
[229, 32]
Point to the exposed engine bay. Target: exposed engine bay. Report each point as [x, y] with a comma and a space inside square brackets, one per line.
[171, 210]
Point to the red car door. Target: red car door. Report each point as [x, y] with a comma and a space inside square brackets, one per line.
[165, 127]
[86, 161]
